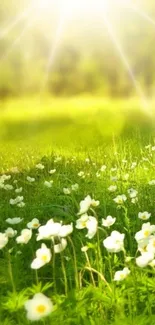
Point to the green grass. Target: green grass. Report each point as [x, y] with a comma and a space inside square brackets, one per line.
[106, 133]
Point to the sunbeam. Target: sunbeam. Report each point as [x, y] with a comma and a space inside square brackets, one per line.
[129, 5]
[16, 21]
[18, 39]
[125, 61]
[55, 44]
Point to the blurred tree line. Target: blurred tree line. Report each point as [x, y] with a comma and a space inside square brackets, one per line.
[85, 60]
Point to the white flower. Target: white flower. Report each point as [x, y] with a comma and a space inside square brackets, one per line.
[66, 191]
[152, 182]
[120, 199]
[4, 178]
[112, 188]
[43, 256]
[52, 171]
[8, 187]
[109, 221]
[91, 225]
[30, 179]
[34, 224]
[48, 184]
[17, 200]
[132, 193]
[58, 248]
[10, 232]
[40, 166]
[65, 230]
[14, 170]
[145, 232]
[37, 307]
[19, 190]
[121, 275]
[3, 240]
[98, 175]
[103, 168]
[75, 187]
[125, 177]
[144, 259]
[25, 236]
[14, 221]
[57, 159]
[81, 174]
[151, 245]
[134, 200]
[87, 160]
[115, 242]
[21, 204]
[49, 230]
[153, 148]
[86, 204]
[144, 215]
[133, 165]
[88, 222]
[84, 249]
[82, 221]
[114, 178]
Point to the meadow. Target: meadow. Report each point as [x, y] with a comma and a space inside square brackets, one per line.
[77, 220]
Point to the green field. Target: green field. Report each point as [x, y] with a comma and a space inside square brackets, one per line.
[95, 143]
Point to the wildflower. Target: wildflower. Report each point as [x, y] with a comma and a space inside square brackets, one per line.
[14, 170]
[132, 193]
[40, 166]
[30, 179]
[103, 168]
[8, 187]
[17, 200]
[66, 191]
[144, 259]
[144, 215]
[120, 199]
[88, 222]
[151, 245]
[10, 232]
[121, 275]
[87, 160]
[21, 204]
[25, 236]
[86, 204]
[134, 200]
[3, 240]
[49, 230]
[133, 165]
[58, 248]
[98, 175]
[52, 171]
[34, 224]
[145, 232]
[112, 188]
[75, 187]
[115, 242]
[125, 177]
[84, 249]
[37, 307]
[57, 159]
[14, 221]
[152, 182]
[43, 256]
[18, 190]
[109, 221]
[48, 184]
[65, 230]
[81, 174]
[153, 148]
[114, 178]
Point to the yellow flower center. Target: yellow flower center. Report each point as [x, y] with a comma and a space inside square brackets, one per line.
[44, 258]
[146, 233]
[153, 243]
[36, 225]
[83, 223]
[41, 309]
[122, 276]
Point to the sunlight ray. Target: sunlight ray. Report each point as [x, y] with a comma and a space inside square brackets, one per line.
[125, 61]
[15, 22]
[55, 45]
[139, 11]
[18, 39]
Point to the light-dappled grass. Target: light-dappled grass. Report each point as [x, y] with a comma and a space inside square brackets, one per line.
[95, 144]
